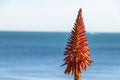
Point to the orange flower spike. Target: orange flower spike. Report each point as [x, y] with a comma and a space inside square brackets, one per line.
[77, 52]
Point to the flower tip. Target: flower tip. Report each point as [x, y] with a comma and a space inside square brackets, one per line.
[80, 11]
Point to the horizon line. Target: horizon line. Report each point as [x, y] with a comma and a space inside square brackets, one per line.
[56, 31]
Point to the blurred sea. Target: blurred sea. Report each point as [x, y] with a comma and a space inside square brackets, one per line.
[38, 56]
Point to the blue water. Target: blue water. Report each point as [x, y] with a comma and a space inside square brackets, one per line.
[38, 56]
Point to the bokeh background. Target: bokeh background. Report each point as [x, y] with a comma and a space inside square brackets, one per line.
[34, 33]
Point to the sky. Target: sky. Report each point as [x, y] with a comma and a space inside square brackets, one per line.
[59, 15]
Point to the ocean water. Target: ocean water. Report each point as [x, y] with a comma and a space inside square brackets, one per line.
[38, 56]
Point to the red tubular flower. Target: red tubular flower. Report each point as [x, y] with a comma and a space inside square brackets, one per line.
[77, 52]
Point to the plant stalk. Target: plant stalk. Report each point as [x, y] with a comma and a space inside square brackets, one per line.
[77, 76]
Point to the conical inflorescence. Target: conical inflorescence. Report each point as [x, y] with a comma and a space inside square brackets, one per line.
[77, 55]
